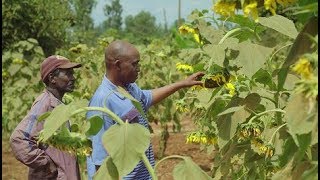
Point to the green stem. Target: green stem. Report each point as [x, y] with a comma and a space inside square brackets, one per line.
[265, 112]
[274, 133]
[228, 34]
[279, 50]
[168, 157]
[274, 102]
[105, 110]
[149, 167]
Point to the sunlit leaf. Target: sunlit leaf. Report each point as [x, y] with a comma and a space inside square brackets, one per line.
[280, 24]
[188, 170]
[59, 116]
[107, 170]
[126, 143]
[251, 57]
[216, 53]
[300, 118]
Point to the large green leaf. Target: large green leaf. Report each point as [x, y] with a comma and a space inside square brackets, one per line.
[227, 124]
[264, 77]
[216, 53]
[251, 101]
[107, 170]
[211, 34]
[281, 24]
[298, 115]
[251, 57]
[96, 123]
[126, 143]
[59, 116]
[188, 170]
[301, 45]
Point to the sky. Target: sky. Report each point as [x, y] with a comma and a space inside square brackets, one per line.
[155, 7]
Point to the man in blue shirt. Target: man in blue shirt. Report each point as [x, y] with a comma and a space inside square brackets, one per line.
[122, 68]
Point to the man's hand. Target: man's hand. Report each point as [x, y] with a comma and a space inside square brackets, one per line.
[160, 93]
[194, 79]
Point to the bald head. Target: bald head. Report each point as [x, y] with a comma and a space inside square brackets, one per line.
[117, 50]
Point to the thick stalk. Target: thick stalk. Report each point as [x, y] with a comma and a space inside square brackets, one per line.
[105, 110]
[149, 167]
[169, 157]
[274, 133]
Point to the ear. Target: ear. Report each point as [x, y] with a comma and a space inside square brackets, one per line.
[51, 78]
[117, 64]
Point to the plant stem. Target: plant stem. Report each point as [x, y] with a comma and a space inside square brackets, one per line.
[105, 110]
[149, 167]
[265, 112]
[274, 133]
[168, 157]
[236, 30]
[279, 50]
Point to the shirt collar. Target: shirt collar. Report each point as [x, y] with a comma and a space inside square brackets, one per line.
[109, 85]
[54, 102]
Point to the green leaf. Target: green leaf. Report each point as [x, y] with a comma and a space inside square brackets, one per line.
[216, 53]
[289, 149]
[304, 141]
[126, 143]
[59, 116]
[251, 57]
[96, 122]
[264, 77]
[281, 24]
[251, 101]
[74, 128]
[211, 34]
[227, 124]
[188, 170]
[135, 102]
[107, 170]
[298, 115]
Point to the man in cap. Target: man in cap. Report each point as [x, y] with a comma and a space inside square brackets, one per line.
[46, 162]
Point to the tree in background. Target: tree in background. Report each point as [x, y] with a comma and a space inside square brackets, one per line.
[114, 15]
[82, 29]
[45, 21]
[142, 27]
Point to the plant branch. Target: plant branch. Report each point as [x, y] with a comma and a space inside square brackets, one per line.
[274, 133]
[265, 112]
[169, 157]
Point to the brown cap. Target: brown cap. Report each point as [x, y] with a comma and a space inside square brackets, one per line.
[54, 62]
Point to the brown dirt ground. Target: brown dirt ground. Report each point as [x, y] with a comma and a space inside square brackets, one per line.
[14, 170]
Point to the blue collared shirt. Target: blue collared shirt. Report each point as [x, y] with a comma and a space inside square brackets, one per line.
[107, 96]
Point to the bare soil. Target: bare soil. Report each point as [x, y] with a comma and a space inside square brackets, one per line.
[14, 170]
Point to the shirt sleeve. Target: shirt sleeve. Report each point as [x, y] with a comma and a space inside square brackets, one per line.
[144, 95]
[24, 143]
